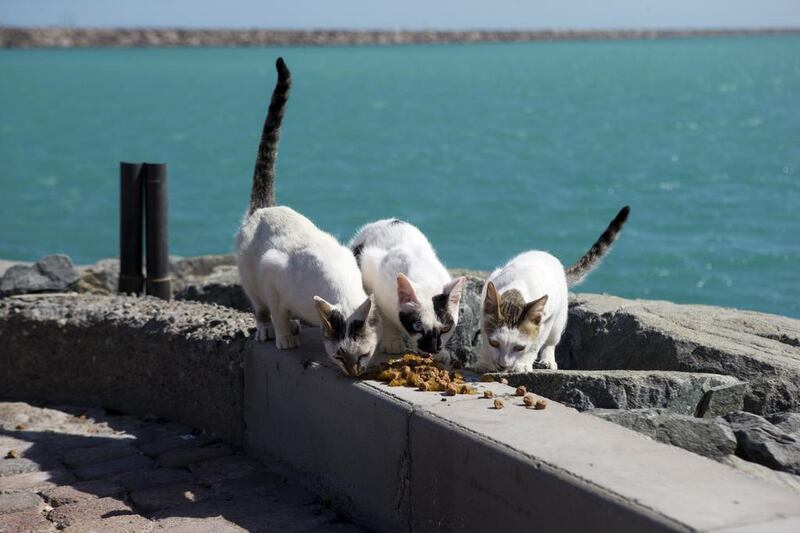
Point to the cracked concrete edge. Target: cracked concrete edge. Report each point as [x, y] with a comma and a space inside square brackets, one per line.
[437, 444]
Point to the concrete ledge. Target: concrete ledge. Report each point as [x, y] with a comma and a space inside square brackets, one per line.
[402, 460]
[179, 360]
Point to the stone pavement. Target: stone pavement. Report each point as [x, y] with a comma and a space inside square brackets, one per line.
[82, 470]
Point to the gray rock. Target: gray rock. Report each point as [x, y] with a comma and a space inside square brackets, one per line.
[704, 436]
[680, 392]
[99, 278]
[221, 287]
[50, 274]
[709, 437]
[721, 400]
[19, 501]
[760, 441]
[606, 332]
[464, 345]
[642, 420]
[788, 422]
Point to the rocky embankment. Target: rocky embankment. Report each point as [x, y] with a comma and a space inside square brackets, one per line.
[718, 382]
[56, 37]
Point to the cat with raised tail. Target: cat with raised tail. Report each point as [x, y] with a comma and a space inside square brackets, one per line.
[290, 269]
[417, 298]
[525, 305]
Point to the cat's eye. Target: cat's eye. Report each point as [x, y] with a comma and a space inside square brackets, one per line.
[494, 343]
[518, 348]
[362, 357]
[446, 328]
[418, 326]
[339, 358]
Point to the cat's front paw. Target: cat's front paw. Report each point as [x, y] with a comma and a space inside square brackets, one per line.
[393, 346]
[545, 364]
[296, 327]
[287, 342]
[443, 357]
[264, 331]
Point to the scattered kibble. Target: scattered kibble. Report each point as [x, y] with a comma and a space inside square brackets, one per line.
[498, 403]
[20, 427]
[528, 400]
[488, 394]
[504, 381]
[540, 404]
[12, 454]
[521, 390]
[451, 390]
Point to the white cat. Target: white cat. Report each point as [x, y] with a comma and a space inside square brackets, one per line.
[292, 269]
[525, 305]
[413, 290]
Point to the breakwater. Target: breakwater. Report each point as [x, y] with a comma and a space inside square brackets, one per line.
[62, 37]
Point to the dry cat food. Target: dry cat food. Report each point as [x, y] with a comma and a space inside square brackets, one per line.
[528, 400]
[12, 454]
[421, 372]
[488, 394]
[521, 390]
[498, 403]
[540, 404]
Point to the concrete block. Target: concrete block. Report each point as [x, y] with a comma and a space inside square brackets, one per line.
[27, 521]
[340, 435]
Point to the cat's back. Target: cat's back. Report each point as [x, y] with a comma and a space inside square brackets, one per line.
[283, 228]
[389, 233]
[531, 272]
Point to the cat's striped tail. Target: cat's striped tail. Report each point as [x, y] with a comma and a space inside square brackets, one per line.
[263, 192]
[591, 259]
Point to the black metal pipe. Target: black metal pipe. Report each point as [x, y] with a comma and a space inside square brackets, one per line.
[155, 193]
[130, 228]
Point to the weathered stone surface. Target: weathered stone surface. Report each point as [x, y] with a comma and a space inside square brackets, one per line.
[709, 437]
[87, 510]
[179, 524]
[230, 467]
[99, 278]
[50, 273]
[464, 345]
[136, 355]
[173, 442]
[35, 480]
[680, 392]
[126, 523]
[15, 502]
[11, 467]
[165, 496]
[85, 490]
[183, 457]
[606, 332]
[143, 479]
[221, 287]
[113, 467]
[721, 400]
[25, 521]
[762, 442]
[96, 454]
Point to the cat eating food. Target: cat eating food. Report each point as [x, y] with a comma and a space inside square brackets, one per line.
[413, 290]
[525, 305]
[291, 269]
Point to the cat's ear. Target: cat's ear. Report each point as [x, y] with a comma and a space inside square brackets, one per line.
[368, 312]
[406, 295]
[491, 303]
[534, 311]
[453, 290]
[325, 311]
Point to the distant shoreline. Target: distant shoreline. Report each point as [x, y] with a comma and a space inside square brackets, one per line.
[60, 37]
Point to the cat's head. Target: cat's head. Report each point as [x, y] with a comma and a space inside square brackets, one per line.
[350, 341]
[510, 328]
[429, 322]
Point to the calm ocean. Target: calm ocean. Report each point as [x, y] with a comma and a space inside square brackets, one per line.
[491, 149]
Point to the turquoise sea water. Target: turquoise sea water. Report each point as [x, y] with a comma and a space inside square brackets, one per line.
[491, 149]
